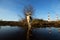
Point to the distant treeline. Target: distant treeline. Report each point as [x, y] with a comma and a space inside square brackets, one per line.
[34, 23]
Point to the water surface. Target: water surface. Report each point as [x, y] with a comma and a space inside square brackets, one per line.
[12, 33]
[46, 33]
[18, 33]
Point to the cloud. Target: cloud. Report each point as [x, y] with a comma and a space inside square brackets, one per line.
[9, 9]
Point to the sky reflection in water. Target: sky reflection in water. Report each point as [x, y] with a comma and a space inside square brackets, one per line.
[12, 33]
[46, 33]
[18, 33]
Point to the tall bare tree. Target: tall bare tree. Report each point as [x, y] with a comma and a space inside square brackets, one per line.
[28, 12]
[28, 9]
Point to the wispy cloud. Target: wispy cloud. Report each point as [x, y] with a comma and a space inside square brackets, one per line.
[9, 10]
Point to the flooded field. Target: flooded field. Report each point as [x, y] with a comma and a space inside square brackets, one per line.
[46, 33]
[12, 33]
[18, 33]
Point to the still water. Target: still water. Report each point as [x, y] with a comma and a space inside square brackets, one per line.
[46, 33]
[12, 33]
[18, 33]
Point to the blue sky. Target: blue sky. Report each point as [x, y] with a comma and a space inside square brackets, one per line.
[10, 9]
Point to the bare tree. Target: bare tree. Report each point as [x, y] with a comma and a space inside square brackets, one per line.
[28, 11]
